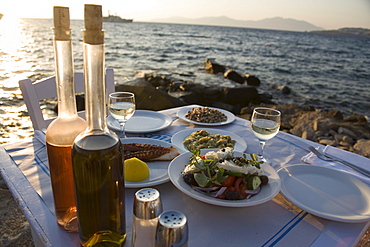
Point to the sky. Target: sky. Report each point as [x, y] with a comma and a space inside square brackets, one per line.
[328, 14]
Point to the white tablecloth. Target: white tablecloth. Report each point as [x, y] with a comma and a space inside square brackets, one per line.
[274, 223]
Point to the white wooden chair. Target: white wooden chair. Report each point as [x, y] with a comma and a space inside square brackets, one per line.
[46, 88]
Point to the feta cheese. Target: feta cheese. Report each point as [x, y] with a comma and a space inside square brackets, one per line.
[246, 169]
[211, 155]
[189, 168]
[223, 153]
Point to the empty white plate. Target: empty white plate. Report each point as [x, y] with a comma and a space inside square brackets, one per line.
[142, 121]
[325, 192]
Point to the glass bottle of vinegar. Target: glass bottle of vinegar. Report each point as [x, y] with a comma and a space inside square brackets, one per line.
[98, 153]
[63, 130]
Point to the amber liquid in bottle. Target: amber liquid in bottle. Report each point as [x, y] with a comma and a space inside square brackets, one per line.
[63, 185]
[98, 170]
[61, 132]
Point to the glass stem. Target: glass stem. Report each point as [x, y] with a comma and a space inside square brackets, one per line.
[260, 152]
[123, 134]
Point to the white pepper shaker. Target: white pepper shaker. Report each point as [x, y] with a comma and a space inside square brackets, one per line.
[172, 230]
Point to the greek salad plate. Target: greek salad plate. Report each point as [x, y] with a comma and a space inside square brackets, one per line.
[230, 117]
[327, 193]
[267, 192]
[142, 121]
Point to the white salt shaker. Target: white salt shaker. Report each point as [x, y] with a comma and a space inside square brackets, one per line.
[146, 210]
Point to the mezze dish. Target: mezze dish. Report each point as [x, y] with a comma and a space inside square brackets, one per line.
[203, 139]
[224, 177]
[157, 154]
[193, 138]
[206, 116]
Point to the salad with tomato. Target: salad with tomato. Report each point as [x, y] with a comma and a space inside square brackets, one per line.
[221, 175]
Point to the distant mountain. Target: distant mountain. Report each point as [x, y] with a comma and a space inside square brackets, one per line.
[276, 23]
[348, 31]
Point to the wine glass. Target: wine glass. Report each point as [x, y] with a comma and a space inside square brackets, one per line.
[122, 106]
[265, 125]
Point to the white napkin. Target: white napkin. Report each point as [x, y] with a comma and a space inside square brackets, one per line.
[345, 155]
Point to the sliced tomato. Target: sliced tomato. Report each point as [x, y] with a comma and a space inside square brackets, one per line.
[231, 188]
[243, 188]
[240, 187]
[203, 156]
[237, 184]
[230, 180]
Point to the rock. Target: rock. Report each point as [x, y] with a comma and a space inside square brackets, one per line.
[240, 95]
[321, 124]
[149, 98]
[308, 134]
[336, 114]
[252, 80]
[214, 68]
[234, 76]
[346, 131]
[232, 108]
[328, 142]
[362, 147]
[284, 89]
[354, 118]
[266, 98]
[296, 132]
[332, 132]
[338, 137]
[158, 81]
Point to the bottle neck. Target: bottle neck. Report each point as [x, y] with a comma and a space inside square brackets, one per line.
[95, 92]
[64, 76]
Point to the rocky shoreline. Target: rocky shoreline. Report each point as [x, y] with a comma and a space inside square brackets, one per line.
[155, 92]
[350, 132]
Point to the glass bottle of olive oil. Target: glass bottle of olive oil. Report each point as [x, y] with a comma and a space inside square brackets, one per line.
[97, 154]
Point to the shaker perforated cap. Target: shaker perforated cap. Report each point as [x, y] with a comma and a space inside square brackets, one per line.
[172, 219]
[147, 204]
[172, 230]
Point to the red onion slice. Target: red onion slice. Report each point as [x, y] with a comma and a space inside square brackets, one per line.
[205, 189]
[221, 191]
[253, 192]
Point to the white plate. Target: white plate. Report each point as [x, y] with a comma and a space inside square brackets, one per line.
[326, 192]
[178, 138]
[158, 169]
[230, 117]
[142, 122]
[268, 191]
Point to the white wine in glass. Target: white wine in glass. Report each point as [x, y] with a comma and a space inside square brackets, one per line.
[122, 106]
[265, 124]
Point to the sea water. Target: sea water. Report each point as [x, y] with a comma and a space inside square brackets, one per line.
[324, 71]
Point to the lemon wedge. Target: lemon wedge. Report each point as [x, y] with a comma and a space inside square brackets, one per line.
[135, 170]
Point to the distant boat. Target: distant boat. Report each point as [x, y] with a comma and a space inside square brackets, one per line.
[116, 18]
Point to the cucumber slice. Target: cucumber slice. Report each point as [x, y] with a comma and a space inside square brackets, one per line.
[253, 182]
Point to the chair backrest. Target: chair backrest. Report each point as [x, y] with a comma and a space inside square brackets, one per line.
[46, 88]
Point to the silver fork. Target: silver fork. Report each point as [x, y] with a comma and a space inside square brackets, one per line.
[328, 157]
